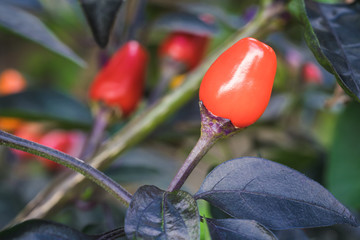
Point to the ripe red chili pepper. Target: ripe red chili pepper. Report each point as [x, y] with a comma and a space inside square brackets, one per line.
[120, 83]
[311, 73]
[238, 84]
[184, 47]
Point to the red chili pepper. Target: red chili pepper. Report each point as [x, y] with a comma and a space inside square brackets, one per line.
[238, 84]
[121, 82]
[184, 47]
[311, 73]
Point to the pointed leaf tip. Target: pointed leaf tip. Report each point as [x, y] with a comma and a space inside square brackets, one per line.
[101, 17]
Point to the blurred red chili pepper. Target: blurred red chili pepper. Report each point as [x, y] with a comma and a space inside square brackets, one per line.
[311, 73]
[64, 141]
[11, 81]
[69, 142]
[238, 84]
[186, 48]
[120, 83]
[28, 131]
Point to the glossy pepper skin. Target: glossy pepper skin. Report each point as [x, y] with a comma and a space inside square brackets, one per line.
[238, 84]
[184, 47]
[121, 82]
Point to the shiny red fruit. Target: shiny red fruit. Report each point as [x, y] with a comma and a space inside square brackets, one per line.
[311, 73]
[121, 82]
[238, 84]
[184, 47]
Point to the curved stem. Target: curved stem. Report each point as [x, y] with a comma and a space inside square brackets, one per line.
[169, 68]
[66, 160]
[113, 234]
[97, 132]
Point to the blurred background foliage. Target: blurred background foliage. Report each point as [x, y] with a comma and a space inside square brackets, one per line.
[309, 125]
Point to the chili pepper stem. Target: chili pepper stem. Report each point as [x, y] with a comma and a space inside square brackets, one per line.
[213, 128]
[169, 69]
[97, 133]
[66, 160]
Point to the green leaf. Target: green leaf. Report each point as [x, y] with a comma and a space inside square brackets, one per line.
[342, 172]
[101, 17]
[30, 27]
[333, 41]
[156, 214]
[40, 230]
[46, 104]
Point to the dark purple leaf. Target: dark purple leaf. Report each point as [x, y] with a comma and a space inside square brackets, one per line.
[272, 194]
[291, 234]
[156, 214]
[46, 104]
[101, 17]
[184, 22]
[333, 39]
[30, 27]
[41, 230]
[238, 229]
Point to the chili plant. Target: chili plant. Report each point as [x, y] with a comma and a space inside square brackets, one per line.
[257, 198]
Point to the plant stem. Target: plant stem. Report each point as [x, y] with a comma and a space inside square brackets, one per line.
[213, 128]
[200, 149]
[113, 234]
[97, 133]
[66, 160]
[169, 68]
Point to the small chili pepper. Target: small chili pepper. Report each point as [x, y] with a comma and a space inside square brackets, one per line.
[238, 84]
[11, 81]
[311, 73]
[120, 83]
[186, 48]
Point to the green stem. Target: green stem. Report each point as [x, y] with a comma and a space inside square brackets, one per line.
[76, 164]
[97, 133]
